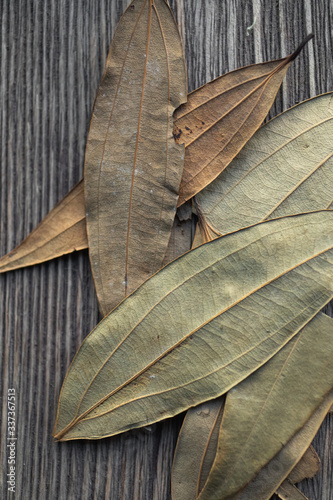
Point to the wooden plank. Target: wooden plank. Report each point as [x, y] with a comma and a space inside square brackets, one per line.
[52, 57]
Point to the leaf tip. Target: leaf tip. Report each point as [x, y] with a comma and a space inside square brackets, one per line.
[293, 56]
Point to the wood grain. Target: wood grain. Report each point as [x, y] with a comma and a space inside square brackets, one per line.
[52, 58]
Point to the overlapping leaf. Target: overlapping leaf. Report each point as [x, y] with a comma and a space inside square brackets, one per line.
[196, 449]
[306, 468]
[263, 175]
[243, 97]
[286, 168]
[261, 414]
[220, 117]
[269, 478]
[197, 445]
[133, 166]
[62, 231]
[265, 411]
[160, 352]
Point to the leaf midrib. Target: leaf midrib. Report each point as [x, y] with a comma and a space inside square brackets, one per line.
[141, 320]
[302, 181]
[137, 144]
[167, 128]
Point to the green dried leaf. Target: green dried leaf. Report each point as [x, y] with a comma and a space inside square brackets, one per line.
[196, 449]
[265, 411]
[271, 476]
[160, 352]
[199, 433]
[286, 168]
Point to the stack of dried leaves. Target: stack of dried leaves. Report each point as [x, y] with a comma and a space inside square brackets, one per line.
[237, 316]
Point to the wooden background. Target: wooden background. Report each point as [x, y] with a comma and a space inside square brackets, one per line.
[52, 57]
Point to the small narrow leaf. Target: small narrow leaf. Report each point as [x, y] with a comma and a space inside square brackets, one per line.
[286, 168]
[220, 117]
[306, 468]
[160, 352]
[133, 166]
[62, 231]
[196, 449]
[267, 409]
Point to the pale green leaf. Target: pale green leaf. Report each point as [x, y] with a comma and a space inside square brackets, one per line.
[196, 449]
[199, 433]
[286, 168]
[271, 476]
[267, 409]
[199, 326]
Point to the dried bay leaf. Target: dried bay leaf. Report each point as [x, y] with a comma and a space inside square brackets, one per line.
[313, 199]
[286, 168]
[133, 166]
[62, 231]
[220, 117]
[307, 467]
[267, 482]
[202, 425]
[196, 449]
[192, 351]
[268, 408]
[203, 101]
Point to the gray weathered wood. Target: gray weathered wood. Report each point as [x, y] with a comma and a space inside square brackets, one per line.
[52, 57]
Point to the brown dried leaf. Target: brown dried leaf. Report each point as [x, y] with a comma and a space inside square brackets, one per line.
[62, 231]
[180, 240]
[220, 117]
[258, 80]
[133, 166]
